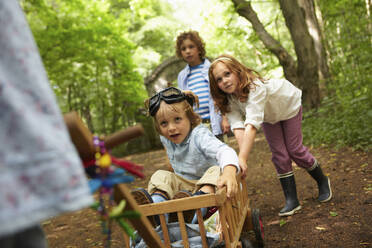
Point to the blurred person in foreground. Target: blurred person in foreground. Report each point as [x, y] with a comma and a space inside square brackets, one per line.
[41, 173]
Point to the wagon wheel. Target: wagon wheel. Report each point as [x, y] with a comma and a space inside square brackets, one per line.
[246, 243]
[258, 227]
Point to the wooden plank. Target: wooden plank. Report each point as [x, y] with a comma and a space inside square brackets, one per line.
[203, 233]
[208, 200]
[182, 225]
[126, 240]
[225, 232]
[234, 207]
[230, 220]
[164, 228]
[80, 135]
[245, 192]
[243, 218]
[142, 225]
[220, 196]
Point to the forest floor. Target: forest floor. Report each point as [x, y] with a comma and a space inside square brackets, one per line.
[345, 221]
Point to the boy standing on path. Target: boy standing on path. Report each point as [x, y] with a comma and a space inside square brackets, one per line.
[194, 77]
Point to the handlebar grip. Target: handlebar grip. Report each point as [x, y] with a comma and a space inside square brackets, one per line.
[123, 136]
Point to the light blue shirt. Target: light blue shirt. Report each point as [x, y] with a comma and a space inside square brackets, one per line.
[199, 151]
[215, 117]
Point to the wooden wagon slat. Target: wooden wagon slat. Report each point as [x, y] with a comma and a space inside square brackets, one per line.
[164, 228]
[203, 233]
[208, 200]
[142, 224]
[225, 232]
[182, 224]
[126, 239]
[235, 209]
[233, 214]
[230, 218]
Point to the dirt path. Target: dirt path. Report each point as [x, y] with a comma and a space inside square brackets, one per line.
[345, 221]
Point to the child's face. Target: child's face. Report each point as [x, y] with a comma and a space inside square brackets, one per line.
[173, 125]
[226, 80]
[190, 52]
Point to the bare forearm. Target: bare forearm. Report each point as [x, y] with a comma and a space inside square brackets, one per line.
[225, 124]
[239, 135]
[247, 143]
[245, 138]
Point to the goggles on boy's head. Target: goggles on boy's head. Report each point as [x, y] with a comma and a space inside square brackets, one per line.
[169, 95]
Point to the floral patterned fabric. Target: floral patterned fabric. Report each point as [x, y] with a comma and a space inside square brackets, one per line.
[40, 172]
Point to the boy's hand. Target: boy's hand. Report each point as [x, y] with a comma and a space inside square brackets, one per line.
[228, 179]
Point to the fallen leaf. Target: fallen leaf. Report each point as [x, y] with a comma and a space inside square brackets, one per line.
[333, 214]
[320, 228]
[282, 222]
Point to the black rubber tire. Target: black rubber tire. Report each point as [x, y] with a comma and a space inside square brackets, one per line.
[246, 243]
[258, 227]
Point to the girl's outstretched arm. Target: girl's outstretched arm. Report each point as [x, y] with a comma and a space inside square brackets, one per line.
[245, 138]
[225, 124]
[228, 179]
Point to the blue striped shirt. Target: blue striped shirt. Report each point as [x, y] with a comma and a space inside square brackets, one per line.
[199, 86]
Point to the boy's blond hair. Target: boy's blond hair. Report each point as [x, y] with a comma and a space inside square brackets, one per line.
[193, 117]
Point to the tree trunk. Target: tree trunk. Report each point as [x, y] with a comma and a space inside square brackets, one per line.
[307, 59]
[305, 75]
[88, 118]
[116, 74]
[316, 33]
[245, 9]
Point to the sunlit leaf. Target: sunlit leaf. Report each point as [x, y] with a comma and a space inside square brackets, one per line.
[333, 214]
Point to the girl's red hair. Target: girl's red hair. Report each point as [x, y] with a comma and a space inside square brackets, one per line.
[246, 77]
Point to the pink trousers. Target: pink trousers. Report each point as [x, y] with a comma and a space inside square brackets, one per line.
[285, 141]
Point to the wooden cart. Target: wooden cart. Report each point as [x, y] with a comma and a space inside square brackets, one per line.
[236, 216]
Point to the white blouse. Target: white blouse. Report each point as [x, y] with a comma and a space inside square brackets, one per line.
[270, 101]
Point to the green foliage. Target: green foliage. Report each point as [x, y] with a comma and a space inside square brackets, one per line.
[88, 59]
[345, 115]
[153, 30]
[97, 53]
[234, 35]
[335, 124]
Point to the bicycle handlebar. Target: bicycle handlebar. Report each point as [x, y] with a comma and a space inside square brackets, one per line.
[123, 136]
[83, 138]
